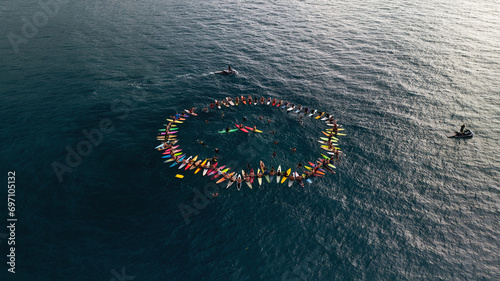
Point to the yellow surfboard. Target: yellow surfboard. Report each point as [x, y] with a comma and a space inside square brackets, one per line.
[199, 168]
[288, 174]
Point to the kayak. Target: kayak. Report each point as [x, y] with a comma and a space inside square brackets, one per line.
[179, 176]
[226, 72]
[465, 134]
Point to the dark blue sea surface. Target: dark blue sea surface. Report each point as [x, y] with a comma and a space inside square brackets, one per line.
[406, 203]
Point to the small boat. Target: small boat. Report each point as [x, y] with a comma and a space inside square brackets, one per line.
[466, 134]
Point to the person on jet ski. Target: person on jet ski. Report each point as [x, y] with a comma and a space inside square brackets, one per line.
[462, 129]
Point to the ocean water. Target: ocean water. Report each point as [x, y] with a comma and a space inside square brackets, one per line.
[406, 203]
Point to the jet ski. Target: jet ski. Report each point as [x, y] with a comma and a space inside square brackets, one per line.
[466, 134]
[227, 72]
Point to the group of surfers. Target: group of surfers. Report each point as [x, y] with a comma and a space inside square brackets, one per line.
[317, 169]
[220, 171]
[278, 103]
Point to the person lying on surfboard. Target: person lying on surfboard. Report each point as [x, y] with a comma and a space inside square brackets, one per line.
[260, 174]
[272, 171]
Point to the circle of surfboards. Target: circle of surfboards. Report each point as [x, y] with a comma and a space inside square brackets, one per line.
[174, 156]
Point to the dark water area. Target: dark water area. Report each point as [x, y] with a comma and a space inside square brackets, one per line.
[406, 203]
